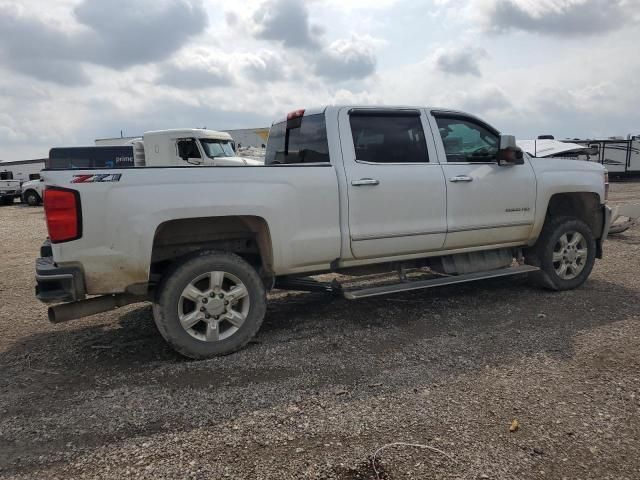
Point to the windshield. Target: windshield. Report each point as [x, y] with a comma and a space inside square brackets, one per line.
[217, 148]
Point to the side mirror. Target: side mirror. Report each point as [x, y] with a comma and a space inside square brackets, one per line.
[509, 153]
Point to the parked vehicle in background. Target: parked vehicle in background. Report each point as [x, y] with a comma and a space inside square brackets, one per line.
[436, 196]
[32, 192]
[162, 148]
[90, 157]
[183, 147]
[9, 188]
[620, 156]
[23, 170]
[551, 148]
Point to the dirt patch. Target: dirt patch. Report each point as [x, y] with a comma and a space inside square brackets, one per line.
[327, 382]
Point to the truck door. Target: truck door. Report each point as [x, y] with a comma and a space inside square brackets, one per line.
[395, 185]
[487, 204]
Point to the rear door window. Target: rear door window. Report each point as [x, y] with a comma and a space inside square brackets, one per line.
[388, 138]
[303, 140]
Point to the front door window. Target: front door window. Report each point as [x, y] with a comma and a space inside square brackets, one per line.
[467, 141]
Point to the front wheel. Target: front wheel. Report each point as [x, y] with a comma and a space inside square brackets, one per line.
[565, 254]
[32, 199]
[209, 305]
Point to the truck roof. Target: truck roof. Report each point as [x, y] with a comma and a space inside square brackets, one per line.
[191, 132]
[335, 108]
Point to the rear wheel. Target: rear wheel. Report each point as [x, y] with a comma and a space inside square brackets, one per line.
[209, 305]
[7, 200]
[565, 253]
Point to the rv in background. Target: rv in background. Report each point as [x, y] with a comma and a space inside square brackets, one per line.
[620, 156]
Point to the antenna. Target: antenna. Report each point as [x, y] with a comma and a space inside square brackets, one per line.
[121, 136]
[535, 148]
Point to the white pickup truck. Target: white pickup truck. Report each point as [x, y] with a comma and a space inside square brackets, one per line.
[9, 188]
[438, 196]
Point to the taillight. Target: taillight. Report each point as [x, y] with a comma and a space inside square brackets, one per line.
[295, 114]
[64, 218]
[606, 185]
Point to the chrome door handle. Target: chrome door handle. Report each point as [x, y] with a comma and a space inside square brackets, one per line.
[461, 178]
[365, 181]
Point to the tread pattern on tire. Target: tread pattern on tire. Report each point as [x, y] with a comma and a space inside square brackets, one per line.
[536, 255]
[169, 327]
[31, 193]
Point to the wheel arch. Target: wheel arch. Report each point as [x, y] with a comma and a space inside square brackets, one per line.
[582, 205]
[31, 190]
[247, 236]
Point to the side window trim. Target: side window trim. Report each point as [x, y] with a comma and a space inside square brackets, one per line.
[442, 155]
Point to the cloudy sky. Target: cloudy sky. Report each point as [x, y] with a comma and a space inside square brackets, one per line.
[75, 70]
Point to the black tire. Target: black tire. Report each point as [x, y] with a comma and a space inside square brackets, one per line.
[168, 301]
[7, 200]
[542, 253]
[31, 198]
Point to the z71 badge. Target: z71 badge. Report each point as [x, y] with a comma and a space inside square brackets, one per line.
[97, 178]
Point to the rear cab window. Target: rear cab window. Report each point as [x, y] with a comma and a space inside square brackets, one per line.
[299, 140]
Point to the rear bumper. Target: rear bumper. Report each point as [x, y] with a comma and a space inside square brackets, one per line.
[56, 284]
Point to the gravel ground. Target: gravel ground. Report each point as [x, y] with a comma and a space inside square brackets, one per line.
[328, 382]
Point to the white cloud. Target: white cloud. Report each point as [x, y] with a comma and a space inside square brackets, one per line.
[555, 17]
[118, 34]
[286, 21]
[348, 58]
[197, 69]
[67, 78]
[460, 60]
